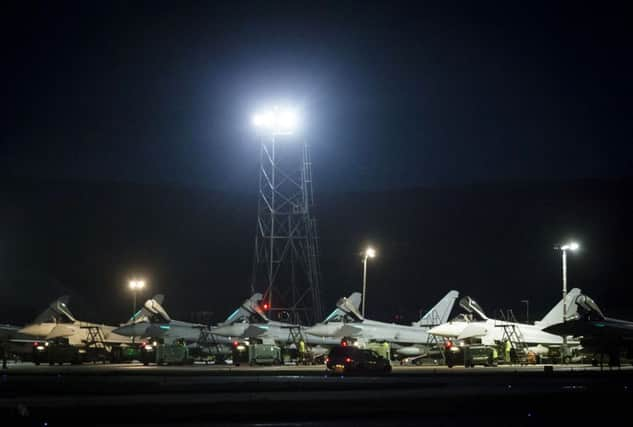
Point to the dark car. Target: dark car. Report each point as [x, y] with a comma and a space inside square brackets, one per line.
[347, 359]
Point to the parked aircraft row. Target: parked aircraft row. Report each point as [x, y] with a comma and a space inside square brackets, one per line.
[250, 322]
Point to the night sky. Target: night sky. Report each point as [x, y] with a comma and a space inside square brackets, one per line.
[393, 95]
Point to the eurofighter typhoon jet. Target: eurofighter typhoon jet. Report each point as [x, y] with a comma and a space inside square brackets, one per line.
[152, 321]
[598, 333]
[58, 322]
[347, 322]
[250, 321]
[476, 324]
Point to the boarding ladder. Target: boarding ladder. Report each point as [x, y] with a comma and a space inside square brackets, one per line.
[95, 338]
[96, 346]
[431, 340]
[512, 334]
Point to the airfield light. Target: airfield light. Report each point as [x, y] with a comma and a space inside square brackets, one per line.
[369, 253]
[571, 246]
[277, 121]
[136, 284]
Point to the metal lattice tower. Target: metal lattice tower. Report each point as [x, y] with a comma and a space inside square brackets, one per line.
[286, 261]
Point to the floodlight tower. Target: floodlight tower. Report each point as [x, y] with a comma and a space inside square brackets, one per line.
[285, 260]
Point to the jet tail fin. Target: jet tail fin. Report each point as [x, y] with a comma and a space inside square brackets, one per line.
[440, 312]
[56, 311]
[354, 299]
[555, 315]
[248, 308]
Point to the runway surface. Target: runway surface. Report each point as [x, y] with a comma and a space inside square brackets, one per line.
[303, 394]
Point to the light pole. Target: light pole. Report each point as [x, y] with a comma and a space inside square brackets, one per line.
[135, 285]
[369, 253]
[527, 310]
[573, 247]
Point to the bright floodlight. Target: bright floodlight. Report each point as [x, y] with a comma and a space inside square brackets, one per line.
[370, 252]
[137, 284]
[278, 121]
[571, 246]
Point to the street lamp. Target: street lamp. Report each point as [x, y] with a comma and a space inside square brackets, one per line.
[369, 253]
[572, 247]
[135, 285]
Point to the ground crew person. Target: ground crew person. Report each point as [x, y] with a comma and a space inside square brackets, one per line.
[386, 354]
[506, 351]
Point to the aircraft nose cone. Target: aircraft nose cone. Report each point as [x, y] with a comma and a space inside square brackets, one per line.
[31, 330]
[444, 330]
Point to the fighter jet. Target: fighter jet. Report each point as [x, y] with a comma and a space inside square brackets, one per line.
[58, 322]
[475, 324]
[598, 333]
[152, 321]
[250, 321]
[407, 340]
